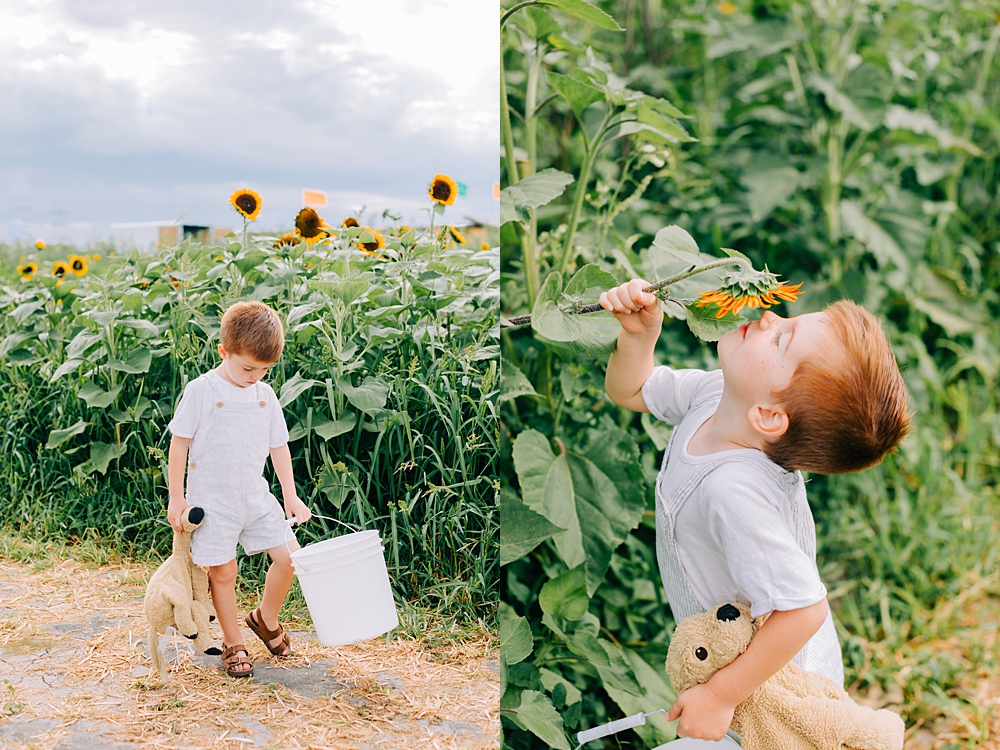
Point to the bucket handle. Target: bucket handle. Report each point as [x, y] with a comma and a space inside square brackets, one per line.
[293, 520]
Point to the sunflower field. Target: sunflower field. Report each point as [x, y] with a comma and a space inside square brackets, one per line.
[388, 380]
[848, 146]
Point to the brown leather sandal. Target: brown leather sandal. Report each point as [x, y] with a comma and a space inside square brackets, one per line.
[256, 623]
[232, 659]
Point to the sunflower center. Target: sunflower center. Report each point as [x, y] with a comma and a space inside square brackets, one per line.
[441, 191]
[370, 246]
[247, 203]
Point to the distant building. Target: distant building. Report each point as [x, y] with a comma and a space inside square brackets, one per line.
[148, 235]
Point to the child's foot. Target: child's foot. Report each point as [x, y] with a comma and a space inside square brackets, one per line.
[236, 660]
[276, 640]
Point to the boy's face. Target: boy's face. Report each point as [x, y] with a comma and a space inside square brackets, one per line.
[242, 370]
[758, 359]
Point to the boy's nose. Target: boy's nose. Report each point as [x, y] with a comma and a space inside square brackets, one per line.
[767, 319]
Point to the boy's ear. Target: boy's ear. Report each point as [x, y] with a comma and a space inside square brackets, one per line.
[222, 351]
[769, 421]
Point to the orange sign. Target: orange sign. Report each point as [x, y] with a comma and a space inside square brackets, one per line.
[496, 191]
[313, 197]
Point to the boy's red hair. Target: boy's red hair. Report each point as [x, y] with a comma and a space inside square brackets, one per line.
[252, 329]
[847, 409]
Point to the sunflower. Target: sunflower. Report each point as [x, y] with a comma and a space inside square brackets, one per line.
[484, 246]
[112, 254]
[247, 202]
[28, 270]
[40, 244]
[372, 248]
[349, 222]
[443, 190]
[288, 238]
[96, 257]
[309, 225]
[749, 289]
[78, 265]
[60, 269]
[459, 237]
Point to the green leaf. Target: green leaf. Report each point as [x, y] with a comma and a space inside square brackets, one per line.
[137, 362]
[80, 344]
[537, 23]
[537, 714]
[656, 692]
[250, 260]
[329, 430]
[532, 192]
[616, 454]
[97, 398]
[873, 236]
[577, 94]
[593, 334]
[704, 324]
[952, 323]
[573, 494]
[523, 528]
[22, 311]
[58, 437]
[65, 368]
[292, 388]
[513, 383]
[586, 11]
[346, 290]
[140, 324]
[770, 180]
[566, 595]
[764, 38]
[674, 132]
[841, 102]
[900, 118]
[678, 243]
[515, 640]
[370, 396]
[101, 454]
[13, 340]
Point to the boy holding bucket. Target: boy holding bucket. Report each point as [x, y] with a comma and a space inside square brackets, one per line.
[231, 420]
[818, 392]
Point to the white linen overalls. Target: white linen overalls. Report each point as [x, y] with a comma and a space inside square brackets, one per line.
[821, 654]
[226, 478]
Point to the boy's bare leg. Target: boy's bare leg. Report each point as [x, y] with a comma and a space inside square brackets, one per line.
[222, 579]
[276, 585]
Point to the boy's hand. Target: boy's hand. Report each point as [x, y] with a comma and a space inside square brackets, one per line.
[703, 715]
[297, 508]
[175, 508]
[637, 311]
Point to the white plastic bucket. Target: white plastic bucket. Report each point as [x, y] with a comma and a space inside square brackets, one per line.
[347, 591]
[337, 544]
[684, 743]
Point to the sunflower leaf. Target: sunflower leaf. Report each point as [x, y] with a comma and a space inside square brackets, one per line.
[677, 242]
[586, 11]
[97, 398]
[137, 362]
[58, 437]
[704, 324]
[532, 192]
[577, 94]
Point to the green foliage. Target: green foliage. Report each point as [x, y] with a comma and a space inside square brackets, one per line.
[848, 146]
[388, 380]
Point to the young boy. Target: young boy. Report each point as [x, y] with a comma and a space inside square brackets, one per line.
[231, 421]
[818, 392]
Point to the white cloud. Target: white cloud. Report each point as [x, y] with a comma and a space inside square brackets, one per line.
[136, 105]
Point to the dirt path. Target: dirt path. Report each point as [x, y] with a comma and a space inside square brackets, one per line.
[74, 675]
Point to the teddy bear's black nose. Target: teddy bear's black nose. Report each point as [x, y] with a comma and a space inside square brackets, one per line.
[727, 612]
[195, 515]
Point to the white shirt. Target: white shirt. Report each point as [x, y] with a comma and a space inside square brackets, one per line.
[195, 407]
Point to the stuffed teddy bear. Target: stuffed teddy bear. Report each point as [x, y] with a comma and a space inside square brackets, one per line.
[177, 594]
[794, 709]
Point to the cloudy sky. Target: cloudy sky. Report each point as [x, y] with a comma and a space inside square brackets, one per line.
[119, 111]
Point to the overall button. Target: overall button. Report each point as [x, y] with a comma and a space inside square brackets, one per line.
[218, 404]
[261, 404]
[192, 465]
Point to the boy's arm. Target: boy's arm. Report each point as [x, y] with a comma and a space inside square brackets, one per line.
[706, 710]
[281, 459]
[176, 461]
[632, 361]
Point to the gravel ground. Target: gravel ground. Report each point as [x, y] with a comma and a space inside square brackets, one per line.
[75, 674]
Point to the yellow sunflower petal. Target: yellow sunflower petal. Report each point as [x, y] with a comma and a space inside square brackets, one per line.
[246, 202]
[443, 190]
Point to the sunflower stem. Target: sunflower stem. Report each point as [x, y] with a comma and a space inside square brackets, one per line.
[652, 288]
[244, 234]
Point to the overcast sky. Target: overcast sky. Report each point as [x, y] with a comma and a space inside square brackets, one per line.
[118, 111]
